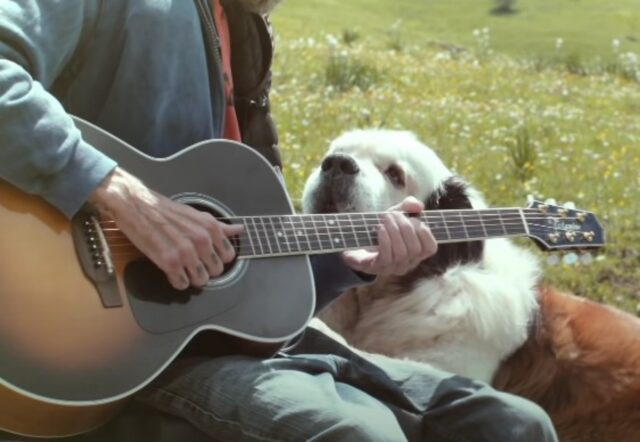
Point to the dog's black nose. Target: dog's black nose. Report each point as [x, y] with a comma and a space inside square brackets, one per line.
[340, 164]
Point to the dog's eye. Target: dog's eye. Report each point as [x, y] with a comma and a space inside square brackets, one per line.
[395, 175]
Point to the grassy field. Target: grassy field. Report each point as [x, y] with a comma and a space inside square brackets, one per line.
[586, 27]
[507, 106]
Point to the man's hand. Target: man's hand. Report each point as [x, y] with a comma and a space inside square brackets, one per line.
[190, 246]
[403, 242]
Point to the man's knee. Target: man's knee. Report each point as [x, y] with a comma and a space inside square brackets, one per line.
[339, 411]
[467, 410]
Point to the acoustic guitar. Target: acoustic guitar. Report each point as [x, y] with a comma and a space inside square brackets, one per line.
[87, 321]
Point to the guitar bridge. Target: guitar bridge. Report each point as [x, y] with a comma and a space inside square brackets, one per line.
[94, 256]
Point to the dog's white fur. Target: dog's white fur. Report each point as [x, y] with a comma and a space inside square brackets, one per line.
[466, 320]
[374, 151]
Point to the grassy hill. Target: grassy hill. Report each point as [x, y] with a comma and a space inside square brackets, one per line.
[504, 107]
[586, 27]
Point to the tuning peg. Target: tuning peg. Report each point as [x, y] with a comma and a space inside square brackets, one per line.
[569, 205]
[588, 236]
[581, 216]
[551, 202]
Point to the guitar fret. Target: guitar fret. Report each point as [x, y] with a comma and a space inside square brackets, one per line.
[446, 227]
[285, 236]
[248, 232]
[504, 229]
[325, 237]
[493, 225]
[345, 242]
[276, 233]
[349, 239]
[288, 233]
[516, 225]
[350, 235]
[524, 222]
[312, 218]
[336, 235]
[473, 225]
[484, 228]
[258, 239]
[302, 235]
[369, 230]
[293, 232]
[266, 235]
[464, 227]
[356, 240]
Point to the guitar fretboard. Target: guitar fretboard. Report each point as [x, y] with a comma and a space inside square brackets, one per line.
[278, 235]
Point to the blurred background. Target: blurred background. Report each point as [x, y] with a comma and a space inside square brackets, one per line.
[519, 97]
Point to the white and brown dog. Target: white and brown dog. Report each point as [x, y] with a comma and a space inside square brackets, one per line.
[478, 308]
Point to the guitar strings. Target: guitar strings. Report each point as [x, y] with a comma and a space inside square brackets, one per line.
[246, 244]
[440, 215]
[303, 224]
[265, 231]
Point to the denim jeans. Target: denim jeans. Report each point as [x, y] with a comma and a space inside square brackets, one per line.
[315, 395]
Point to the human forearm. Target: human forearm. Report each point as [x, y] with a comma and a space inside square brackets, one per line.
[41, 151]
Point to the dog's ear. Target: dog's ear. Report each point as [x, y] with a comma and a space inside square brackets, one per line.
[453, 194]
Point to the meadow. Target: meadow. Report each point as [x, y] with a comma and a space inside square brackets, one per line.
[543, 102]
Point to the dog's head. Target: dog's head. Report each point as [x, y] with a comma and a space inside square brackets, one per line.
[374, 169]
[371, 170]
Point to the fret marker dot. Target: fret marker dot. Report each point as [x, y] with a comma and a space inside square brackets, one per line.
[280, 234]
[299, 233]
[331, 222]
[336, 240]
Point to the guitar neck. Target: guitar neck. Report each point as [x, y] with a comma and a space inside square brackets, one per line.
[279, 235]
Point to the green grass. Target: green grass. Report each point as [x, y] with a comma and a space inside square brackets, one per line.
[587, 27]
[509, 112]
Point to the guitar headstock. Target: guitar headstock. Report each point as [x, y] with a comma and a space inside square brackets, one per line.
[557, 227]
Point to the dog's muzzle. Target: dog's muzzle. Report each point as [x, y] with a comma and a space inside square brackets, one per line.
[339, 166]
[335, 185]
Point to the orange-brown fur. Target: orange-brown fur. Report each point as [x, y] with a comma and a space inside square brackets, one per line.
[582, 365]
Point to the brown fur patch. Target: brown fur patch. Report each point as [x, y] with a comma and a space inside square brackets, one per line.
[582, 365]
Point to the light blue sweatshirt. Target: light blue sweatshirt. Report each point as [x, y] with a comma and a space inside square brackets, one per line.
[136, 68]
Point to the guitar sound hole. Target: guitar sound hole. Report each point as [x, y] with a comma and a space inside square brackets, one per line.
[235, 240]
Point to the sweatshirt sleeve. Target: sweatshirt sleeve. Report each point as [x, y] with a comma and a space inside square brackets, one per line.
[41, 151]
[332, 276]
